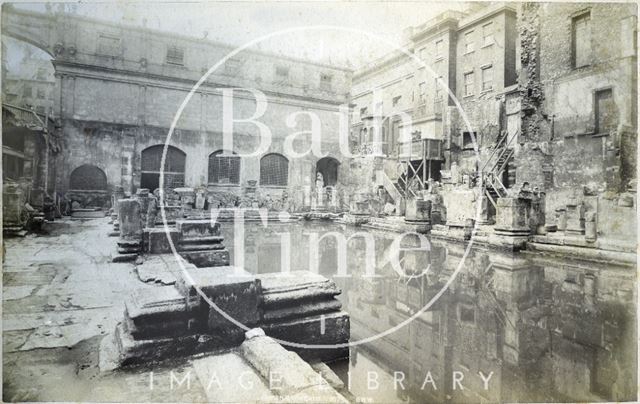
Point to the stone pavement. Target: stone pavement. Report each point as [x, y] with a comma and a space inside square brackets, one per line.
[62, 295]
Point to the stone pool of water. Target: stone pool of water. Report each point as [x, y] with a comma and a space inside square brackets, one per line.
[509, 327]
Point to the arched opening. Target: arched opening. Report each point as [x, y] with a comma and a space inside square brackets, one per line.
[274, 170]
[224, 169]
[88, 178]
[29, 81]
[174, 166]
[328, 167]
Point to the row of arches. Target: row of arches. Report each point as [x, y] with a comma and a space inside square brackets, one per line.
[222, 170]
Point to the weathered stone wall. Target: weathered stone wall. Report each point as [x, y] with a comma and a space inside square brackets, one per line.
[119, 92]
[558, 99]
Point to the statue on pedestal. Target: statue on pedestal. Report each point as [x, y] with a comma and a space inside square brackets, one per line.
[319, 189]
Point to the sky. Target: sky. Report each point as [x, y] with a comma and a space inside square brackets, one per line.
[236, 23]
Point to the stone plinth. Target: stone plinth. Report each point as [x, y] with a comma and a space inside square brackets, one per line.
[156, 240]
[201, 243]
[233, 290]
[512, 217]
[129, 223]
[130, 226]
[418, 210]
[207, 258]
[145, 199]
[159, 312]
[359, 208]
[487, 212]
[177, 320]
[172, 214]
[12, 206]
[197, 228]
[575, 218]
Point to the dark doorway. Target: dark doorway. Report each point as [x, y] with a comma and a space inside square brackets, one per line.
[88, 178]
[328, 167]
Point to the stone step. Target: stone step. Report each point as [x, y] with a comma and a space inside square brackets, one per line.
[323, 329]
[203, 239]
[293, 288]
[301, 310]
[87, 213]
[197, 228]
[201, 247]
[207, 258]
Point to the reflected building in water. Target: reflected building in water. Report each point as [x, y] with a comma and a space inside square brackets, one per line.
[545, 329]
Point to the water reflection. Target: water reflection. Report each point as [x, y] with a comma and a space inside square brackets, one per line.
[528, 328]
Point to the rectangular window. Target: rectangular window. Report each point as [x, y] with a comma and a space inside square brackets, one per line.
[439, 49]
[467, 140]
[42, 74]
[27, 91]
[282, 73]
[581, 40]
[423, 91]
[363, 112]
[379, 108]
[423, 53]
[438, 88]
[232, 67]
[487, 78]
[468, 83]
[396, 100]
[469, 46]
[108, 45]
[606, 112]
[325, 81]
[175, 55]
[487, 34]
[41, 93]
[466, 314]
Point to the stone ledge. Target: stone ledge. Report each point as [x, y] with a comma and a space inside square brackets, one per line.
[296, 379]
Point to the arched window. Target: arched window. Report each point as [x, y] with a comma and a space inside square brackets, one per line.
[174, 165]
[88, 178]
[224, 169]
[274, 170]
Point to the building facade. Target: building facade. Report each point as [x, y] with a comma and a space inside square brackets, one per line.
[120, 87]
[33, 88]
[578, 85]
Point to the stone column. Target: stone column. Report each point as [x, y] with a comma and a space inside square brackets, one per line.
[144, 199]
[131, 226]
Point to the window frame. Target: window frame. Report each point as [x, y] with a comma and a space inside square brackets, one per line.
[439, 51]
[471, 85]
[584, 15]
[483, 70]
[279, 75]
[485, 36]
[263, 175]
[326, 81]
[469, 43]
[229, 157]
[171, 56]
